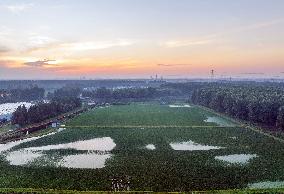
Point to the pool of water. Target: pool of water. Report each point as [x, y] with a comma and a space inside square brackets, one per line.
[179, 106]
[90, 160]
[150, 146]
[99, 144]
[22, 157]
[236, 158]
[192, 146]
[220, 121]
[9, 145]
[266, 185]
[86, 160]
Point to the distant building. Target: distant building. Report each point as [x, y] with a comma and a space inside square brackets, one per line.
[55, 124]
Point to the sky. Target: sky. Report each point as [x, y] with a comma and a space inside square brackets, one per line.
[99, 39]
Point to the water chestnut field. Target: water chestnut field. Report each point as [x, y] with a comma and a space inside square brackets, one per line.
[158, 147]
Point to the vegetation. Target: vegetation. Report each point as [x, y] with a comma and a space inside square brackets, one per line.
[65, 92]
[54, 191]
[119, 95]
[257, 104]
[136, 125]
[20, 95]
[162, 169]
[42, 111]
[62, 100]
[149, 114]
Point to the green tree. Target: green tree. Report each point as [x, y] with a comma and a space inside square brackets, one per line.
[280, 118]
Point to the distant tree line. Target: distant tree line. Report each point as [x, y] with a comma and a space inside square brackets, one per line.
[19, 95]
[130, 94]
[73, 92]
[183, 88]
[261, 104]
[42, 111]
[84, 83]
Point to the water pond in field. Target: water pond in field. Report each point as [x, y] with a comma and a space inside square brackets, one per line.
[266, 185]
[220, 121]
[91, 159]
[9, 145]
[179, 106]
[236, 158]
[22, 157]
[98, 144]
[150, 146]
[192, 146]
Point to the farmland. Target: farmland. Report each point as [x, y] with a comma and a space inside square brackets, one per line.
[160, 147]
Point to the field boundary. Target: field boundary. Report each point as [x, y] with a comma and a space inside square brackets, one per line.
[148, 126]
[242, 124]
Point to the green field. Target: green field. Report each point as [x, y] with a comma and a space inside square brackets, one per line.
[132, 127]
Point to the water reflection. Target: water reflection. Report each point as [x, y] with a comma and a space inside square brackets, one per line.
[95, 158]
[192, 146]
[90, 160]
[150, 146]
[9, 145]
[22, 157]
[179, 106]
[266, 185]
[99, 144]
[236, 158]
[219, 121]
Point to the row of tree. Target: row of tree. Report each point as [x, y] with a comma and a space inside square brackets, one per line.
[120, 94]
[259, 104]
[26, 94]
[42, 111]
[66, 91]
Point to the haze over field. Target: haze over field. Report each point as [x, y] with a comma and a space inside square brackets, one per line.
[135, 39]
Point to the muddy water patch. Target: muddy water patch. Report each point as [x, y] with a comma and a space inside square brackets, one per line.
[90, 160]
[236, 158]
[179, 106]
[9, 145]
[96, 156]
[192, 146]
[266, 185]
[99, 144]
[22, 157]
[150, 147]
[220, 121]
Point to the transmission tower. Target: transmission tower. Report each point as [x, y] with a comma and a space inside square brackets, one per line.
[212, 74]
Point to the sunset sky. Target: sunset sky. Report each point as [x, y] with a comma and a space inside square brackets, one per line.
[53, 39]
